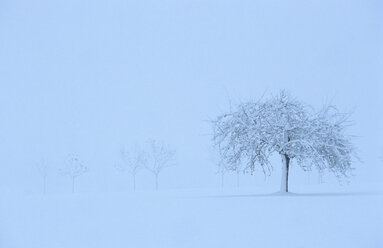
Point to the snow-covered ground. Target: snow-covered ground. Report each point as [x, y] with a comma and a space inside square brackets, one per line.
[193, 218]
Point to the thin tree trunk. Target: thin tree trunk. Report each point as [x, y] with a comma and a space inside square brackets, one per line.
[237, 179]
[320, 178]
[44, 185]
[73, 179]
[156, 182]
[285, 173]
[222, 179]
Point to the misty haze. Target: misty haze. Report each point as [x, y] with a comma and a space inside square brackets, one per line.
[191, 124]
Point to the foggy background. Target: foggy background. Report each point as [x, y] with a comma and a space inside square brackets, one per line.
[90, 77]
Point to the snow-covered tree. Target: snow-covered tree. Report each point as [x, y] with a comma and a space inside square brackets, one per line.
[284, 125]
[159, 156]
[132, 161]
[73, 169]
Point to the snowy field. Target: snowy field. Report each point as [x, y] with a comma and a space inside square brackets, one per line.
[193, 218]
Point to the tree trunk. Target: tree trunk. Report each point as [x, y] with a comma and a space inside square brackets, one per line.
[156, 182]
[222, 179]
[320, 178]
[134, 182]
[73, 179]
[285, 173]
[237, 179]
[44, 184]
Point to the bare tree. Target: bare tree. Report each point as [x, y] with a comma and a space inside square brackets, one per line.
[43, 171]
[283, 125]
[159, 157]
[73, 169]
[133, 161]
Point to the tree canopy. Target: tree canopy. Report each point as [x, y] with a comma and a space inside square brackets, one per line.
[281, 124]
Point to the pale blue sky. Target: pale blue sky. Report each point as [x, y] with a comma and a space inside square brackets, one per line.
[92, 76]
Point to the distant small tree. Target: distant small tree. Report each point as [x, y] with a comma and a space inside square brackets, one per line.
[43, 168]
[73, 169]
[132, 161]
[288, 127]
[159, 157]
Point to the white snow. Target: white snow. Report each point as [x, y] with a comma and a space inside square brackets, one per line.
[193, 218]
